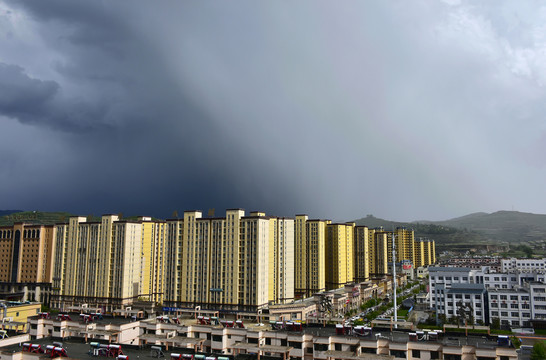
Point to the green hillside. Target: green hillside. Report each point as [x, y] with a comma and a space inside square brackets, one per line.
[34, 217]
[51, 218]
[446, 237]
[474, 230]
[504, 226]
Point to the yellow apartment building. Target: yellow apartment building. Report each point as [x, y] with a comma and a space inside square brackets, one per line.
[107, 263]
[339, 255]
[419, 254]
[362, 253]
[380, 252]
[154, 234]
[281, 260]
[26, 260]
[310, 255]
[226, 262]
[173, 260]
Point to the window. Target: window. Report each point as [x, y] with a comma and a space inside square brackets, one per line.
[494, 297]
[452, 357]
[513, 297]
[398, 354]
[434, 355]
[416, 353]
[320, 347]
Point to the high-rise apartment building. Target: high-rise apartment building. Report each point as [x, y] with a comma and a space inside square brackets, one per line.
[362, 253]
[310, 252]
[339, 255]
[281, 260]
[379, 251]
[228, 263]
[173, 260]
[108, 263]
[26, 260]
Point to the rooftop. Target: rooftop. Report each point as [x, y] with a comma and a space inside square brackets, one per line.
[449, 269]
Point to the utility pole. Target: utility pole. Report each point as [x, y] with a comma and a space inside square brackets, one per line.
[394, 278]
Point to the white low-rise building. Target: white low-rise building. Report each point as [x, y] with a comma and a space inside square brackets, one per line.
[511, 306]
[523, 264]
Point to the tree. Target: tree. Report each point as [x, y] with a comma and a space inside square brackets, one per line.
[495, 323]
[539, 351]
[465, 313]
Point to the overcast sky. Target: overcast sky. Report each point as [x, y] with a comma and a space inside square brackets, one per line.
[407, 110]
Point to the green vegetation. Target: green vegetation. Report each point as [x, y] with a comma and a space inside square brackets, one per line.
[51, 218]
[479, 231]
[539, 351]
[368, 304]
[35, 217]
[429, 326]
[470, 331]
[501, 332]
[516, 341]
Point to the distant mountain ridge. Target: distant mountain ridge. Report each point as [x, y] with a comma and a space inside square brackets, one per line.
[8, 212]
[473, 229]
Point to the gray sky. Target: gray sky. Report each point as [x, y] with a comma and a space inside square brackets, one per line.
[407, 110]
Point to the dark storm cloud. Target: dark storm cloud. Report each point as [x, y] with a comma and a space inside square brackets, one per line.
[38, 102]
[137, 142]
[404, 110]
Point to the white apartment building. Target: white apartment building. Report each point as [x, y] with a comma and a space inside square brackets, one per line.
[471, 297]
[516, 297]
[523, 264]
[538, 300]
[441, 278]
[511, 306]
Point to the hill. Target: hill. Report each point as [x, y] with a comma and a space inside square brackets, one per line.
[34, 217]
[8, 212]
[50, 218]
[505, 226]
[473, 230]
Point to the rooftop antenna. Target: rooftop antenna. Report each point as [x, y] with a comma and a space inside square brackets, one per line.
[394, 278]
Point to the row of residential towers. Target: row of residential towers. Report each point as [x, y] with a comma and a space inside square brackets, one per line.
[236, 262]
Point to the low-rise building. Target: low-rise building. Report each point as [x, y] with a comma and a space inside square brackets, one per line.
[287, 340]
[523, 264]
[511, 306]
